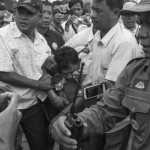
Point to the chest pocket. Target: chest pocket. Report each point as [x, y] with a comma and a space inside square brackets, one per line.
[136, 101]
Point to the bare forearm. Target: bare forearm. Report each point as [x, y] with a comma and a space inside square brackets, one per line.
[55, 99]
[18, 80]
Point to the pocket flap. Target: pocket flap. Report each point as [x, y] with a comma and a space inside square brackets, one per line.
[136, 101]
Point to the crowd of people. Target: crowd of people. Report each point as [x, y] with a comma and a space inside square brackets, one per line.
[42, 47]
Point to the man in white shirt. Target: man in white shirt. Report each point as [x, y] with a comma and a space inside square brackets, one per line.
[74, 24]
[129, 18]
[23, 53]
[112, 47]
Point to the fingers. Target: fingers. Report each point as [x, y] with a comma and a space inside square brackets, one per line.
[50, 62]
[61, 134]
[12, 97]
[63, 140]
[62, 126]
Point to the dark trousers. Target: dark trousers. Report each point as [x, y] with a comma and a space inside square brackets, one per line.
[52, 112]
[33, 125]
[111, 141]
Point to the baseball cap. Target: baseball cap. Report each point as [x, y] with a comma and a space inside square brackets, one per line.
[32, 5]
[143, 6]
[127, 8]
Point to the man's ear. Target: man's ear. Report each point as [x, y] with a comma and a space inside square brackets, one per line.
[116, 13]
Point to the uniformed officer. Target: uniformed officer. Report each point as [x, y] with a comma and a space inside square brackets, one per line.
[129, 96]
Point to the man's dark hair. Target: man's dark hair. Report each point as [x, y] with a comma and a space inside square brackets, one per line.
[57, 3]
[47, 3]
[112, 4]
[65, 57]
[73, 2]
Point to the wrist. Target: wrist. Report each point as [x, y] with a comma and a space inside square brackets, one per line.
[36, 84]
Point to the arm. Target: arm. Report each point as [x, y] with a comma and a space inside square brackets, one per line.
[18, 80]
[99, 118]
[8, 75]
[56, 100]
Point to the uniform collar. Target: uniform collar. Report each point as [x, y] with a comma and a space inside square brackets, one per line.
[105, 40]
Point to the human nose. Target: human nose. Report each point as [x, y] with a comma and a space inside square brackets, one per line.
[46, 15]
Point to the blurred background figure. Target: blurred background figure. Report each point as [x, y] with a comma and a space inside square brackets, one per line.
[75, 24]
[53, 38]
[58, 18]
[128, 18]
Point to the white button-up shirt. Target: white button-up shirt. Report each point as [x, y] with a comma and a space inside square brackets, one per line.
[19, 54]
[109, 55]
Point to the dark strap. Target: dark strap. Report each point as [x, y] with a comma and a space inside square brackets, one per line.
[75, 30]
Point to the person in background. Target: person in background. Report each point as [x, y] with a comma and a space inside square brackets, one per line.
[129, 18]
[129, 96]
[53, 38]
[74, 24]
[58, 18]
[56, 4]
[23, 53]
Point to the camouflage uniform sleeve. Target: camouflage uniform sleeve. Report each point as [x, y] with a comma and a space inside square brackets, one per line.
[103, 116]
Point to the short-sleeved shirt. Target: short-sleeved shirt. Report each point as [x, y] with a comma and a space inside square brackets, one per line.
[110, 54]
[130, 95]
[54, 40]
[20, 55]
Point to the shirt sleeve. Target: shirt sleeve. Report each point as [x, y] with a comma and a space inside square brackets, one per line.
[103, 116]
[78, 40]
[120, 58]
[6, 62]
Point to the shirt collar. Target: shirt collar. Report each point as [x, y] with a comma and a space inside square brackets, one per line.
[37, 37]
[105, 40]
[18, 33]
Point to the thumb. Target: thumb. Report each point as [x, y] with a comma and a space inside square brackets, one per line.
[12, 97]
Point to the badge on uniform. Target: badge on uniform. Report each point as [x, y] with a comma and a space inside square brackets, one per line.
[140, 84]
[54, 45]
[135, 124]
